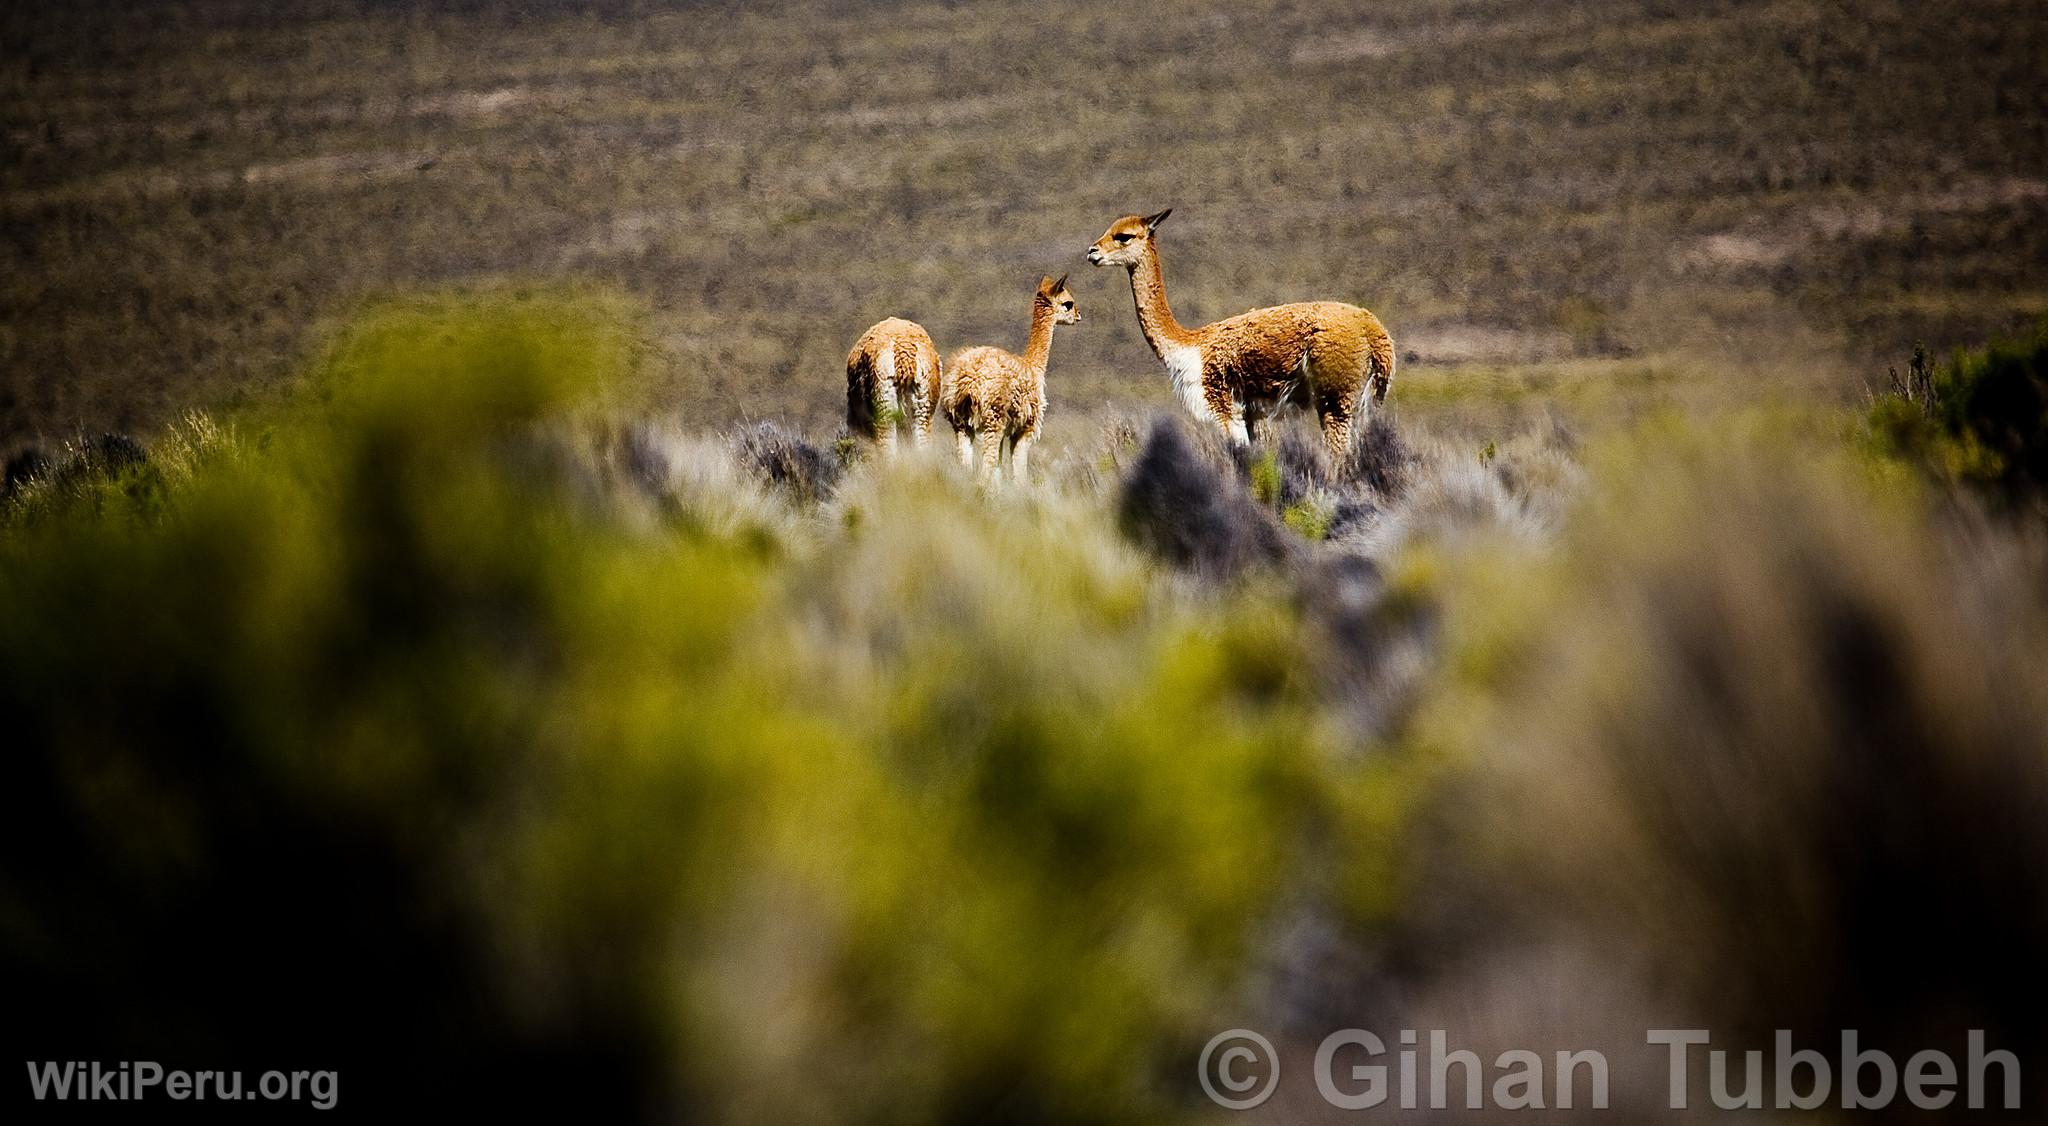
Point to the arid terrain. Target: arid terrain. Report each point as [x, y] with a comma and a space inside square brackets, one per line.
[1779, 189]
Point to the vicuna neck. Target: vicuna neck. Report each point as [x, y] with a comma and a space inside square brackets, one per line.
[1038, 350]
[1155, 317]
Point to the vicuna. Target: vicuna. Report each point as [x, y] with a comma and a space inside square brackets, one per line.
[1324, 354]
[997, 399]
[892, 376]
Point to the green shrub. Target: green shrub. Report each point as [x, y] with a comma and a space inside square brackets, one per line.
[1981, 418]
[1309, 518]
[1264, 474]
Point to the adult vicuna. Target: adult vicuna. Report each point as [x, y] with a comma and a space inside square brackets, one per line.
[1324, 354]
[892, 376]
[998, 399]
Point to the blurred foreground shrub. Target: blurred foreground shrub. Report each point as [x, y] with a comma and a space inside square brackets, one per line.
[369, 743]
[1760, 752]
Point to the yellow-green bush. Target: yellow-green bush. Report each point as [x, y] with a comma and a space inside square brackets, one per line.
[370, 742]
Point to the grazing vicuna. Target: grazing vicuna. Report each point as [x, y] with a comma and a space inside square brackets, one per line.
[998, 399]
[892, 376]
[1324, 354]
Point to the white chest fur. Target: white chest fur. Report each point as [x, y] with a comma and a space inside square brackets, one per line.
[1184, 370]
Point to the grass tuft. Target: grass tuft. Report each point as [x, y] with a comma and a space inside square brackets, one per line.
[785, 461]
[1180, 504]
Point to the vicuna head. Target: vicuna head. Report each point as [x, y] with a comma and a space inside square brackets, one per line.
[1124, 243]
[1054, 295]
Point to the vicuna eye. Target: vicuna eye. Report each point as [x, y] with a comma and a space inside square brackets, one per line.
[1124, 236]
[1068, 304]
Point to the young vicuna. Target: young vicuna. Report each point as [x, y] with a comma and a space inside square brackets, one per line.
[997, 398]
[892, 375]
[1321, 353]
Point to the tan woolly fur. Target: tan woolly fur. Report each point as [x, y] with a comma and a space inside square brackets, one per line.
[1321, 354]
[892, 376]
[995, 400]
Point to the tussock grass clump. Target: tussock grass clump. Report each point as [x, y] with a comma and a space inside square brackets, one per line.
[23, 466]
[1380, 459]
[110, 475]
[788, 462]
[1449, 496]
[86, 466]
[1281, 513]
[1182, 502]
[681, 480]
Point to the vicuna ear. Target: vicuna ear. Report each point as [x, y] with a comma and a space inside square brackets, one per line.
[1058, 285]
[1045, 284]
[1153, 221]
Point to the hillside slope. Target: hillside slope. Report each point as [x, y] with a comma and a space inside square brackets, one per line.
[186, 191]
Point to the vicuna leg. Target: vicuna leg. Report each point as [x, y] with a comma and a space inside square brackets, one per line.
[906, 413]
[884, 396]
[1020, 458]
[927, 398]
[991, 451]
[965, 442]
[1333, 411]
[920, 415]
[1339, 380]
[1234, 426]
[885, 418]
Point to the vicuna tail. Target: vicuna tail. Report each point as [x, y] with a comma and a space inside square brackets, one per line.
[860, 395]
[1380, 361]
